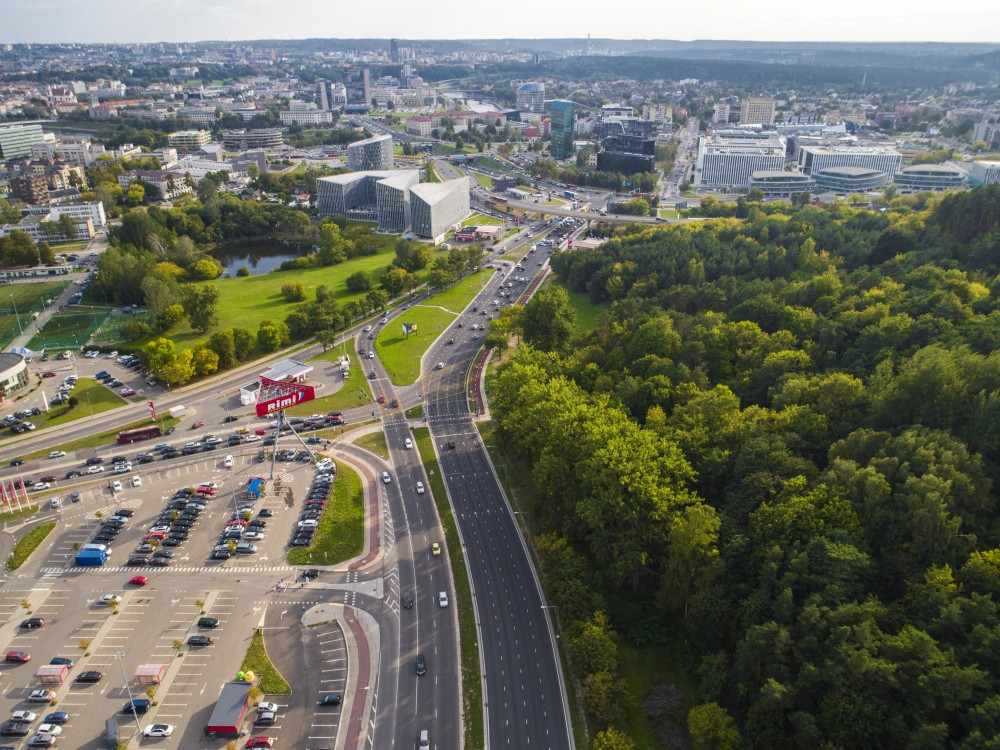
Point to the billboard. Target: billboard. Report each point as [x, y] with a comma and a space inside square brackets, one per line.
[274, 396]
[409, 328]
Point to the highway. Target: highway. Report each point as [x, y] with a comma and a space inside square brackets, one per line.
[524, 694]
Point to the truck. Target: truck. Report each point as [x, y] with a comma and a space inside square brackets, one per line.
[91, 558]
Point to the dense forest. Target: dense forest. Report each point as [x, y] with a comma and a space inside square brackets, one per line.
[780, 445]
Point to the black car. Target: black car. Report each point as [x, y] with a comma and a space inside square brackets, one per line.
[300, 541]
[94, 460]
[169, 454]
[207, 622]
[265, 513]
[144, 547]
[179, 534]
[163, 553]
[199, 640]
[172, 542]
[230, 418]
[32, 623]
[169, 431]
[146, 459]
[309, 573]
[137, 560]
[125, 512]
[15, 729]
[221, 554]
[138, 706]
[331, 699]
[407, 600]
[184, 492]
[104, 539]
[190, 450]
[17, 462]
[73, 474]
[209, 447]
[421, 665]
[90, 676]
[269, 441]
[160, 562]
[256, 523]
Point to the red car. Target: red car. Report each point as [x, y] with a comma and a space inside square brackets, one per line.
[196, 425]
[161, 535]
[259, 742]
[138, 580]
[48, 374]
[17, 657]
[126, 392]
[48, 478]
[381, 399]
[260, 432]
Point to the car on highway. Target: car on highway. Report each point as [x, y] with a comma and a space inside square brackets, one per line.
[386, 478]
[158, 730]
[57, 454]
[442, 598]
[440, 365]
[420, 488]
[330, 699]
[421, 665]
[39, 486]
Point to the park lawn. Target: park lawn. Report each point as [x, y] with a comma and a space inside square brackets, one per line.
[477, 219]
[94, 398]
[400, 354]
[354, 393]
[341, 532]
[101, 438]
[587, 312]
[447, 149]
[374, 442]
[484, 179]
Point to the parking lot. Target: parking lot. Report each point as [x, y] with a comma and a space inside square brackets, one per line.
[150, 624]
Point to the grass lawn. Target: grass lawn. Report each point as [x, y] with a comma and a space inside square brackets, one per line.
[493, 165]
[28, 544]
[401, 355]
[484, 179]
[447, 149]
[669, 213]
[587, 313]
[374, 442]
[341, 532]
[101, 438]
[472, 692]
[13, 515]
[256, 660]
[94, 398]
[477, 219]
[27, 300]
[347, 397]
[644, 667]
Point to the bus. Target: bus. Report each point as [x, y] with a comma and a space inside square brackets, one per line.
[142, 433]
[570, 194]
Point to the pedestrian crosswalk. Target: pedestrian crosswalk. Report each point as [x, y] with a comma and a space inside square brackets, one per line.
[171, 569]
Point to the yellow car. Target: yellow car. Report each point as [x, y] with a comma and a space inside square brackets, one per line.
[436, 549]
[243, 431]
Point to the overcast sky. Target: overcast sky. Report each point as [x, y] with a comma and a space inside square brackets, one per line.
[774, 20]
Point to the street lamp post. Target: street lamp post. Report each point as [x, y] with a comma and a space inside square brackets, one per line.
[558, 624]
[119, 656]
[16, 315]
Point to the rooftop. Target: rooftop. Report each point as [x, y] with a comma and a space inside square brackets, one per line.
[287, 368]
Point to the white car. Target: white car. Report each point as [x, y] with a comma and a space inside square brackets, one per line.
[367, 329]
[439, 366]
[386, 478]
[264, 706]
[228, 462]
[57, 454]
[23, 716]
[137, 481]
[408, 443]
[253, 536]
[420, 488]
[109, 600]
[309, 523]
[116, 486]
[123, 468]
[253, 438]
[41, 486]
[443, 599]
[371, 355]
[158, 730]
[95, 470]
[53, 730]
[112, 355]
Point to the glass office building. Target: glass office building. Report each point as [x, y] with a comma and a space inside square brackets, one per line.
[561, 131]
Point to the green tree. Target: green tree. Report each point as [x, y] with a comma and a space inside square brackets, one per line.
[224, 346]
[204, 269]
[394, 281]
[358, 282]
[326, 338]
[712, 728]
[199, 306]
[613, 739]
[244, 343]
[293, 291]
[548, 320]
[272, 336]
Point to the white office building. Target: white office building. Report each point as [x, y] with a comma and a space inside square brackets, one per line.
[371, 154]
[881, 158]
[305, 113]
[438, 206]
[984, 172]
[80, 211]
[937, 177]
[728, 159]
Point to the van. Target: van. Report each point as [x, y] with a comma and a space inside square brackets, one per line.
[111, 733]
[425, 740]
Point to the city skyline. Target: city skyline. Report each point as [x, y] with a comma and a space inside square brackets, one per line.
[221, 20]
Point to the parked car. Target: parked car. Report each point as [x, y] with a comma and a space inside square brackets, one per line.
[17, 657]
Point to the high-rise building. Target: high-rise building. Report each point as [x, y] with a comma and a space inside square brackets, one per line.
[728, 159]
[561, 129]
[16, 140]
[323, 95]
[531, 97]
[359, 86]
[757, 110]
[720, 113]
[394, 50]
[370, 154]
[436, 207]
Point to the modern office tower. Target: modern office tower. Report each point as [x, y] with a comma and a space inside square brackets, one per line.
[627, 154]
[359, 86]
[728, 159]
[323, 95]
[16, 140]
[189, 141]
[757, 110]
[531, 97]
[394, 50]
[561, 129]
[882, 158]
[370, 154]
[436, 207]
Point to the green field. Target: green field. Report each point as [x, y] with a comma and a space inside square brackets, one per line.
[341, 532]
[110, 329]
[484, 179]
[347, 397]
[374, 442]
[400, 354]
[587, 313]
[94, 398]
[246, 301]
[27, 299]
[477, 219]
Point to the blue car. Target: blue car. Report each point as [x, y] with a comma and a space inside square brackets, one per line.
[56, 717]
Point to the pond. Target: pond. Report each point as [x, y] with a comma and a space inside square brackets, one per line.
[259, 257]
